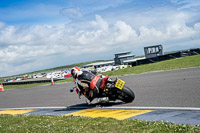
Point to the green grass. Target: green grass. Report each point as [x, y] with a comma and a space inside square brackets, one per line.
[184, 62]
[70, 124]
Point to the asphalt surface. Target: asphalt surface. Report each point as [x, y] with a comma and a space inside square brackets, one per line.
[177, 88]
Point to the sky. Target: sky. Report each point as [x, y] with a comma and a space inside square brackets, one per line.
[41, 34]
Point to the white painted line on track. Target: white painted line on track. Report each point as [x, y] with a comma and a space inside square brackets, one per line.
[112, 107]
[155, 108]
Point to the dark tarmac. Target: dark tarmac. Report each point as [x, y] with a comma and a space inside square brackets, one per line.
[176, 88]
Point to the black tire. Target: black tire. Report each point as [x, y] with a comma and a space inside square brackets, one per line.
[126, 95]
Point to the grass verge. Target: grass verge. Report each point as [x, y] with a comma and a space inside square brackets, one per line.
[178, 63]
[69, 124]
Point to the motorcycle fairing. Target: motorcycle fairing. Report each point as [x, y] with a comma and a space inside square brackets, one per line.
[94, 82]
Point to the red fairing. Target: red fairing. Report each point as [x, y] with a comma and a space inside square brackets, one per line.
[103, 83]
[94, 82]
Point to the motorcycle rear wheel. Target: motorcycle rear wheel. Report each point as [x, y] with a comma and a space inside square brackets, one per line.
[126, 95]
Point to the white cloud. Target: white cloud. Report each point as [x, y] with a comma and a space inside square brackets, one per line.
[100, 23]
[26, 48]
[197, 27]
[2, 24]
[124, 32]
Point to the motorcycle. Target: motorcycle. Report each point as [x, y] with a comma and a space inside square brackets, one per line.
[113, 89]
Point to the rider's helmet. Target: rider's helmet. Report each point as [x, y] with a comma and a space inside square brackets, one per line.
[75, 72]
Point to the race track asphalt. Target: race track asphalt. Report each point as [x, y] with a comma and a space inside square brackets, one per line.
[176, 88]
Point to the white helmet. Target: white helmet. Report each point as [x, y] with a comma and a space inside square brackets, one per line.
[75, 72]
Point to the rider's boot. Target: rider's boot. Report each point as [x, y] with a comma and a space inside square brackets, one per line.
[103, 100]
[98, 100]
[88, 101]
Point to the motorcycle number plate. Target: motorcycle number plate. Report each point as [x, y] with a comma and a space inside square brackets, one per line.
[120, 84]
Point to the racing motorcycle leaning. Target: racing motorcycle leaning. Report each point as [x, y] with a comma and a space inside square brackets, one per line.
[113, 89]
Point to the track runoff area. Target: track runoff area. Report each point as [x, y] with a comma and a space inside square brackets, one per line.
[175, 115]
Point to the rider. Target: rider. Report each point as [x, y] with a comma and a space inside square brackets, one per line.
[88, 83]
